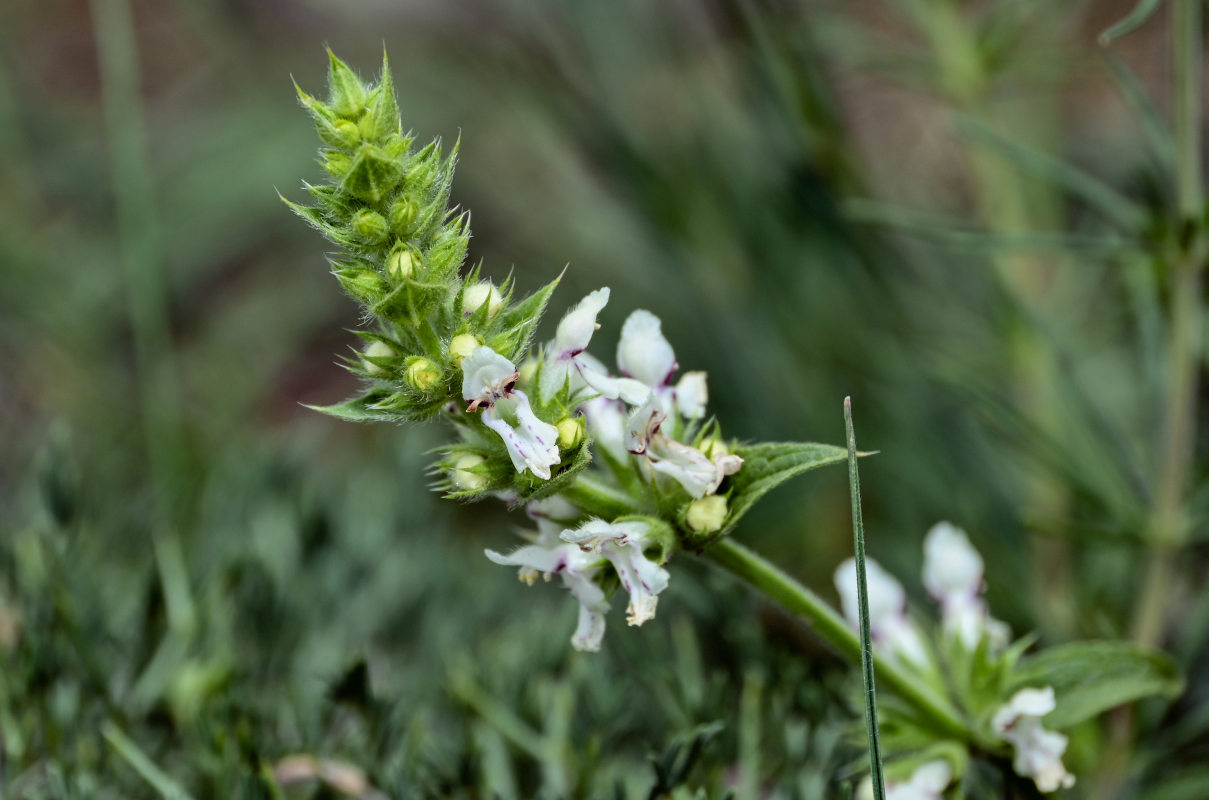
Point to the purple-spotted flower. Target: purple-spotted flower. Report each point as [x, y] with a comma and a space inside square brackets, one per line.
[696, 472]
[953, 576]
[893, 632]
[623, 545]
[489, 385]
[578, 571]
[1038, 752]
[566, 358]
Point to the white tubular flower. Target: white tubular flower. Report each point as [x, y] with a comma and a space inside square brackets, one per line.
[566, 358]
[893, 632]
[1038, 751]
[953, 575]
[623, 543]
[927, 782]
[577, 569]
[488, 382]
[688, 466]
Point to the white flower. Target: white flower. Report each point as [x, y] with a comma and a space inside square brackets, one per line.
[552, 515]
[953, 575]
[566, 359]
[578, 569]
[623, 543]
[1038, 751]
[488, 382]
[892, 631]
[927, 782]
[643, 353]
[688, 466]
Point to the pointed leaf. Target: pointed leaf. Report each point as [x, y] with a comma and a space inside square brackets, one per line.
[346, 93]
[768, 465]
[1092, 677]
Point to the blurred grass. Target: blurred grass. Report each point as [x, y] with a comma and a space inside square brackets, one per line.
[704, 162]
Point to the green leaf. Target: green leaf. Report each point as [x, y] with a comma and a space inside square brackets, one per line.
[1097, 194]
[1191, 784]
[1092, 677]
[1132, 21]
[358, 409]
[346, 93]
[768, 465]
[517, 323]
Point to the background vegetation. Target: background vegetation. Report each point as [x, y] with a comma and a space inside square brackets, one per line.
[967, 215]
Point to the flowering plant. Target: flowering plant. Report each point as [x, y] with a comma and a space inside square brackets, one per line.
[621, 469]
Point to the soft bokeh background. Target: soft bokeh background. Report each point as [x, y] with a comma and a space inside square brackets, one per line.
[200, 577]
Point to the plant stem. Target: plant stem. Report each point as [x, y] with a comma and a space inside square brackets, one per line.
[800, 601]
[1167, 522]
[862, 598]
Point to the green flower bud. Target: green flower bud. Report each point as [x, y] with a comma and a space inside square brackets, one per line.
[370, 226]
[422, 374]
[377, 349]
[403, 214]
[463, 478]
[337, 163]
[482, 292]
[714, 448]
[463, 345]
[570, 432]
[348, 132]
[401, 264]
[526, 372]
[363, 284]
[707, 515]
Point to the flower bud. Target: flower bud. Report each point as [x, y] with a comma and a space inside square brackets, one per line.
[422, 374]
[482, 292]
[526, 372]
[380, 350]
[370, 226]
[463, 478]
[337, 164]
[463, 345]
[400, 264]
[570, 432]
[707, 515]
[403, 214]
[348, 132]
[363, 284]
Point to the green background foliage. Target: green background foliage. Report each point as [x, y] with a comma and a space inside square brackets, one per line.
[961, 214]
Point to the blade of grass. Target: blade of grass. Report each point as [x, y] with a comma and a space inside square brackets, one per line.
[862, 599]
[144, 766]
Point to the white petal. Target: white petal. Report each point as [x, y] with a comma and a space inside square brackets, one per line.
[606, 423]
[688, 466]
[532, 444]
[543, 559]
[484, 374]
[590, 630]
[932, 777]
[1038, 752]
[952, 567]
[1025, 703]
[576, 328]
[554, 375]
[643, 352]
[627, 389]
[692, 395]
[642, 425]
